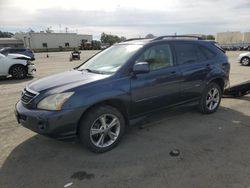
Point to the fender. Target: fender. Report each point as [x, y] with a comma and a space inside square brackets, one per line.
[23, 64]
[86, 97]
[217, 74]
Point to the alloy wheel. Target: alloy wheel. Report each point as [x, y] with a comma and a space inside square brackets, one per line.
[18, 72]
[105, 130]
[245, 61]
[213, 99]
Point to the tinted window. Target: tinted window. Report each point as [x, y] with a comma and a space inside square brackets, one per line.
[207, 53]
[12, 51]
[186, 53]
[158, 57]
[200, 54]
[18, 50]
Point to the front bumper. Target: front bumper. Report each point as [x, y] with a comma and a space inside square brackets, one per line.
[31, 69]
[57, 124]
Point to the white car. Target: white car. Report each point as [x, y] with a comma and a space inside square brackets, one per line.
[244, 58]
[17, 65]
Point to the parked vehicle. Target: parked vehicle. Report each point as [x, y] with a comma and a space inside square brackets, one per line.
[244, 58]
[122, 84]
[17, 65]
[75, 55]
[24, 51]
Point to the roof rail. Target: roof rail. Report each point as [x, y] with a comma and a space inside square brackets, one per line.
[135, 39]
[176, 36]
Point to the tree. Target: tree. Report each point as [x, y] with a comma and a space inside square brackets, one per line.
[5, 34]
[149, 36]
[111, 39]
[208, 37]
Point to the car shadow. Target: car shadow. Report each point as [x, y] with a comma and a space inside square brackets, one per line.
[244, 98]
[10, 80]
[43, 162]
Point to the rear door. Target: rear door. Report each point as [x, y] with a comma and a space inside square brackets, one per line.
[159, 87]
[194, 66]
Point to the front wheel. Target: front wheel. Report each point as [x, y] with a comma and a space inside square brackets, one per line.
[101, 129]
[210, 99]
[245, 61]
[18, 72]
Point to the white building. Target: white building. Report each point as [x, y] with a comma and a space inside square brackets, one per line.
[52, 41]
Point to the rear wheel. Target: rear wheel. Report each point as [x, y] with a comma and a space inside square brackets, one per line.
[245, 61]
[18, 71]
[211, 98]
[101, 129]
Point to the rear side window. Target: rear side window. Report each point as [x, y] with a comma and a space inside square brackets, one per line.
[186, 53]
[192, 53]
[207, 52]
[20, 50]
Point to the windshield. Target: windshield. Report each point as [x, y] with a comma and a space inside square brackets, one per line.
[111, 59]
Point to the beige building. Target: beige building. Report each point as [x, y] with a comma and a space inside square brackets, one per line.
[52, 41]
[246, 37]
[233, 37]
[11, 42]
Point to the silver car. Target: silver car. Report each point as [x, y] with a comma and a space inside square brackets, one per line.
[244, 58]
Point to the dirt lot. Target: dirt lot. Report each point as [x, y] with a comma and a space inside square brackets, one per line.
[214, 148]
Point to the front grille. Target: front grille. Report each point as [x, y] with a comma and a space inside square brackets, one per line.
[28, 96]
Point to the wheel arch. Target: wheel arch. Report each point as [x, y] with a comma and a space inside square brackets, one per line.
[115, 103]
[219, 81]
[14, 65]
[243, 58]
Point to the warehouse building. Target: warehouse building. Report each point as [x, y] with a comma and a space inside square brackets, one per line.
[233, 37]
[53, 41]
[11, 42]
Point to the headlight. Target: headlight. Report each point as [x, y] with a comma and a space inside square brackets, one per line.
[55, 101]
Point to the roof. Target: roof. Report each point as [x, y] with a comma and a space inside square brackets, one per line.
[142, 41]
[136, 41]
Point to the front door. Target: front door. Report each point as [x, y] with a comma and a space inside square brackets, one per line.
[159, 87]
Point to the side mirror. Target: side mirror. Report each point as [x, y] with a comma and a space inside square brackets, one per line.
[141, 67]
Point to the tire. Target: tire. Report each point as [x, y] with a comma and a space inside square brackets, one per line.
[97, 122]
[18, 71]
[210, 100]
[245, 61]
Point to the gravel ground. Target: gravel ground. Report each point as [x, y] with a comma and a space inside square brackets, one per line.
[214, 148]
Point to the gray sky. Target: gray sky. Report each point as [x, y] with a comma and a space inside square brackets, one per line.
[130, 18]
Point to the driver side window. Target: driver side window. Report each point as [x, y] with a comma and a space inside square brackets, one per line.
[158, 57]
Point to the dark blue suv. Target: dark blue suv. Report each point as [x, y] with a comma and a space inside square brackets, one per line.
[127, 81]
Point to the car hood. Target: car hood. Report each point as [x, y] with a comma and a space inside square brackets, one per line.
[18, 56]
[65, 81]
[245, 54]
